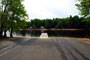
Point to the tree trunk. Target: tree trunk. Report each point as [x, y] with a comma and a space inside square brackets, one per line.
[11, 33]
[1, 33]
[1, 29]
[5, 35]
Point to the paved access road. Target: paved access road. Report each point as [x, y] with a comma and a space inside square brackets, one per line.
[48, 49]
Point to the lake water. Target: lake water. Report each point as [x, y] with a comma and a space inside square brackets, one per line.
[37, 33]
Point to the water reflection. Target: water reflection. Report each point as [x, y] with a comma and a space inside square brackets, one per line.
[81, 33]
[36, 33]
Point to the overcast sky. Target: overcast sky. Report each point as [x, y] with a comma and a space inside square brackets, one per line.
[50, 8]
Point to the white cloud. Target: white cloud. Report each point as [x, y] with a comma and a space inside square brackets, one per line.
[50, 8]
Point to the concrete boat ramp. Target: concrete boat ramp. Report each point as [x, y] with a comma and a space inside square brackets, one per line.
[47, 49]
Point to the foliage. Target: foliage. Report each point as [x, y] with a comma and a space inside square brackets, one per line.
[12, 16]
[84, 7]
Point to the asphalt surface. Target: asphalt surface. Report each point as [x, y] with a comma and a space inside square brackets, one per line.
[47, 49]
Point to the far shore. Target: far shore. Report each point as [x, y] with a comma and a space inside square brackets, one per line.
[56, 29]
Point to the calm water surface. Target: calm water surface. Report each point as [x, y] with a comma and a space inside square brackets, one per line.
[37, 33]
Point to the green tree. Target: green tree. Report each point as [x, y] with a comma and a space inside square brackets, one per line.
[84, 7]
[74, 22]
[13, 16]
[48, 23]
[36, 23]
[18, 15]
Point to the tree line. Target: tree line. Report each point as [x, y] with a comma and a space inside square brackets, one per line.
[12, 16]
[62, 23]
